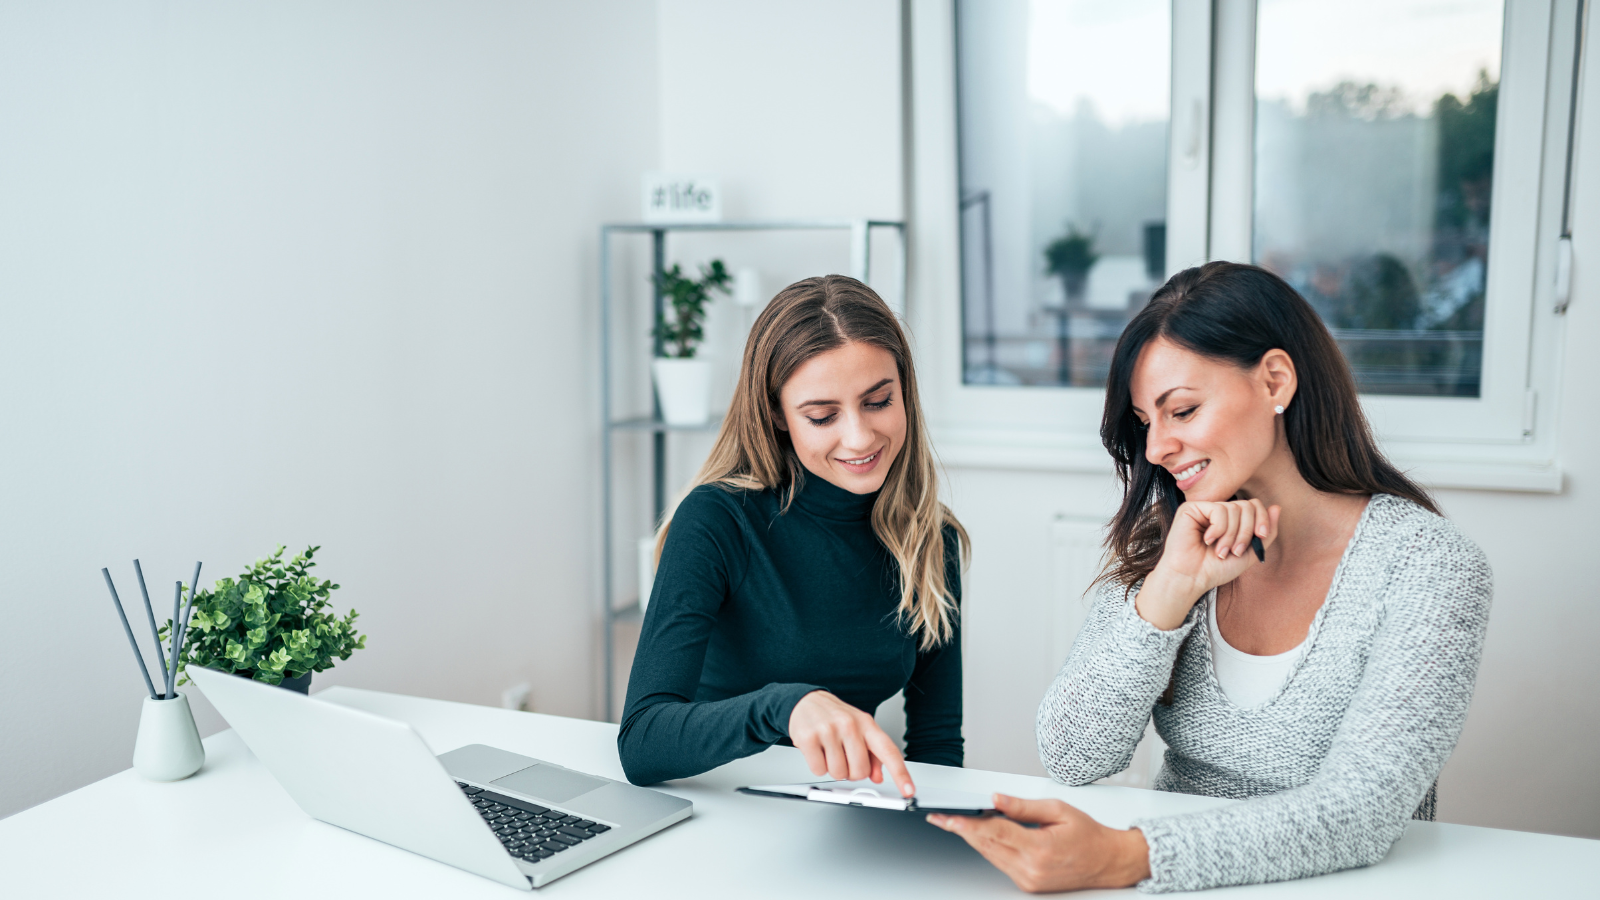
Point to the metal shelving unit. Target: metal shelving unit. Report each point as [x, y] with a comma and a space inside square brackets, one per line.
[861, 231]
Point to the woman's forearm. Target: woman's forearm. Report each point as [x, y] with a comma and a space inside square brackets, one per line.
[1166, 599]
[673, 738]
[1095, 712]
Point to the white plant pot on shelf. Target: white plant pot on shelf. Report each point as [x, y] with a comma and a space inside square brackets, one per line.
[684, 388]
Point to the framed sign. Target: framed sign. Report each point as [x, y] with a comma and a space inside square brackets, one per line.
[681, 198]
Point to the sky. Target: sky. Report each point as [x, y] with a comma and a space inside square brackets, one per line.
[1116, 54]
[1426, 47]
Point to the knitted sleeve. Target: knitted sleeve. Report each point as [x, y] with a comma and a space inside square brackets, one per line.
[1093, 715]
[1391, 742]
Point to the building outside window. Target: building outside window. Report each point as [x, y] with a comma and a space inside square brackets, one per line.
[1064, 110]
[1374, 169]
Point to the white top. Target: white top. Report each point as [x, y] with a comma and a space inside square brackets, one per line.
[734, 846]
[1247, 680]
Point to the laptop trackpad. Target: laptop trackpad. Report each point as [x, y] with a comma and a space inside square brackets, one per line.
[550, 783]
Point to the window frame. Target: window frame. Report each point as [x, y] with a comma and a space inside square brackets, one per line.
[1505, 439]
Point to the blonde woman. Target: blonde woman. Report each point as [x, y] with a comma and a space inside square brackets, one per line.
[812, 572]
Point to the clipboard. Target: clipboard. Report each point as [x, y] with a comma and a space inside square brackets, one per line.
[870, 795]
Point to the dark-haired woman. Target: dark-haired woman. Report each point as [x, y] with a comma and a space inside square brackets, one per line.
[1325, 686]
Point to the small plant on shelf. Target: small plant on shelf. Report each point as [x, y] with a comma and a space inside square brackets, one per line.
[1070, 257]
[682, 331]
[272, 623]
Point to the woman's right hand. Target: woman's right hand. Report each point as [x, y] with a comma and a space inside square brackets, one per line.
[845, 743]
[1208, 545]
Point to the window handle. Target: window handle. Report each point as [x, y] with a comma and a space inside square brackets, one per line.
[1563, 275]
[1191, 149]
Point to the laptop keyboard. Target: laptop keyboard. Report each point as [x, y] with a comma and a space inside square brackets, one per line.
[528, 831]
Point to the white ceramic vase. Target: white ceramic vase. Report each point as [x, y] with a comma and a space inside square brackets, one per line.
[684, 388]
[168, 747]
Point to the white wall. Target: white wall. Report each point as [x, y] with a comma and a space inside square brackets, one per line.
[795, 105]
[305, 273]
[796, 108]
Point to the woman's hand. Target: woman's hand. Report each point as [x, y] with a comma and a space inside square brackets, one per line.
[1208, 545]
[1068, 852]
[843, 742]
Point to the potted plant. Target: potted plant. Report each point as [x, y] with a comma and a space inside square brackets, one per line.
[271, 624]
[683, 383]
[1070, 257]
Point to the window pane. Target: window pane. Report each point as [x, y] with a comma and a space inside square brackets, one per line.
[1374, 157]
[1063, 108]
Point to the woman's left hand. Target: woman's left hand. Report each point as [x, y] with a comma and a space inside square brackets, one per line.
[1068, 852]
[845, 743]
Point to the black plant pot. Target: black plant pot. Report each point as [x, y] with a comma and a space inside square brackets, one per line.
[301, 684]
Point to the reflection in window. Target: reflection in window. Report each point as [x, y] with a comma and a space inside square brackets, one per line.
[1063, 110]
[1374, 155]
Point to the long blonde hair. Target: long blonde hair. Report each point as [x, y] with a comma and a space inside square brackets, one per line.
[805, 319]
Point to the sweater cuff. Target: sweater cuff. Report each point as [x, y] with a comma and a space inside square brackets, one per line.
[1165, 843]
[777, 705]
[1131, 630]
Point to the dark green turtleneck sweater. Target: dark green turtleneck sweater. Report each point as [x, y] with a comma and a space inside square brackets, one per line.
[752, 609]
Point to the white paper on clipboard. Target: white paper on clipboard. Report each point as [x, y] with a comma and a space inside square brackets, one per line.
[880, 796]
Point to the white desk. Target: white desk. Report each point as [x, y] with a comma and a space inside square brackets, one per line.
[232, 832]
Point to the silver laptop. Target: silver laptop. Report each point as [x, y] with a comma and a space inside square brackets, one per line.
[517, 820]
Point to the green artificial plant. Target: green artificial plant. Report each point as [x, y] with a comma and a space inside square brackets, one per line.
[1071, 256]
[681, 334]
[270, 624]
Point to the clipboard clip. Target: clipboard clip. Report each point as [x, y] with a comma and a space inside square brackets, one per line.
[861, 797]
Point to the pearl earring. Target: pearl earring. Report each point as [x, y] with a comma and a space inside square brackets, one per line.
[1278, 410]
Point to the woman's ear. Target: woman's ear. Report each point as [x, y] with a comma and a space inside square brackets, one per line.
[1277, 374]
[778, 420]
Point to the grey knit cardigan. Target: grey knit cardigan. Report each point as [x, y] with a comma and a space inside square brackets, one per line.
[1335, 764]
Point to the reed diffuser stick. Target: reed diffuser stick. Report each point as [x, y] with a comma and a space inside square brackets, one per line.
[183, 630]
[155, 633]
[172, 636]
[128, 629]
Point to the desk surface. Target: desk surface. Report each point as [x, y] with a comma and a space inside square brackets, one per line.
[231, 831]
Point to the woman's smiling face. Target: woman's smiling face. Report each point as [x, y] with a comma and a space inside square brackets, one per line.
[844, 415]
[1210, 423]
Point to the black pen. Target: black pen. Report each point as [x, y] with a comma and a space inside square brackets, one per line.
[1258, 547]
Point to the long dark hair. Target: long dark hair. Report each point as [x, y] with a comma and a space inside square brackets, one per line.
[1236, 313]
